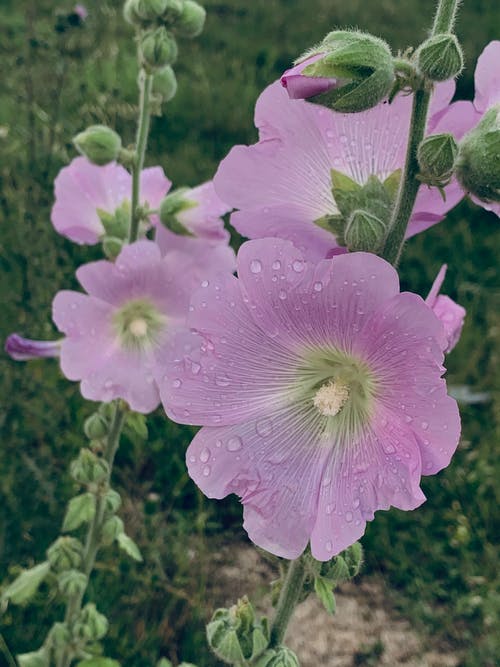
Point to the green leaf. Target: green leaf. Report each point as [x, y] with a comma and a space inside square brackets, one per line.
[98, 661]
[129, 546]
[81, 509]
[26, 585]
[323, 588]
[137, 424]
[36, 659]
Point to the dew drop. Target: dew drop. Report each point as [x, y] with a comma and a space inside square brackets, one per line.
[192, 459]
[255, 266]
[276, 265]
[329, 546]
[348, 517]
[425, 426]
[218, 444]
[222, 380]
[206, 471]
[282, 294]
[318, 286]
[205, 455]
[355, 503]
[298, 266]
[234, 444]
[195, 367]
[108, 384]
[205, 283]
[176, 383]
[329, 509]
[264, 427]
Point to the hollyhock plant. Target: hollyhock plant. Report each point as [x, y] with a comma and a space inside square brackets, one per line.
[116, 333]
[283, 183]
[320, 392]
[450, 314]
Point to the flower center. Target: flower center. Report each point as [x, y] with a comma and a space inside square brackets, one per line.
[139, 324]
[331, 398]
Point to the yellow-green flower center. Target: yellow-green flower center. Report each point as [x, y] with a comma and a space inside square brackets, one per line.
[138, 324]
[331, 398]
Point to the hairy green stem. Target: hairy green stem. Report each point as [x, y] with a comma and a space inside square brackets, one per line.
[7, 654]
[145, 85]
[408, 189]
[289, 596]
[94, 533]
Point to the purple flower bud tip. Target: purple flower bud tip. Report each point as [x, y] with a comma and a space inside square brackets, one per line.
[300, 87]
[81, 11]
[24, 349]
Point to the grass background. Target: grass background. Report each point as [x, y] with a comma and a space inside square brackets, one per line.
[441, 561]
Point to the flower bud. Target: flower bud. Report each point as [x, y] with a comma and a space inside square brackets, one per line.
[99, 144]
[173, 11]
[173, 204]
[191, 21]
[158, 49]
[112, 501]
[131, 15]
[436, 159]
[38, 658]
[91, 625]
[478, 164]
[112, 529]
[65, 554]
[440, 57]
[150, 10]
[72, 582]
[364, 232]
[235, 635]
[96, 427]
[165, 84]
[280, 657]
[354, 72]
[24, 349]
[89, 468]
[353, 557]
[112, 246]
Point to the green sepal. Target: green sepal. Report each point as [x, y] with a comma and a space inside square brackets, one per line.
[137, 424]
[324, 590]
[25, 586]
[81, 509]
[98, 661]
[38, 658]
[128, 545]
[391, 184]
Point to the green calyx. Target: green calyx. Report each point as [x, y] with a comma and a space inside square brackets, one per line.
[116, 223]
[436, 159]
[440, 57]
[99, 144]
[361, 63]
[170, 207]
[478, 162]
[158, 49]
[338, 387]
[138, 325]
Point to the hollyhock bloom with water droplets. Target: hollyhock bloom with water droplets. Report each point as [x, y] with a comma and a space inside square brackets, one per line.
[116, 333]
[282, 184]
[450, 314]
[320, 394]
[25, 349]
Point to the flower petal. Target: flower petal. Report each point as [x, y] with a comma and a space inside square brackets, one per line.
[487, 77]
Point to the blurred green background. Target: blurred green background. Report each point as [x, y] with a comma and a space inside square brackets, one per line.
[442, 560]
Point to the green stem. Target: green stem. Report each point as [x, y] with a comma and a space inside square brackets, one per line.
[408, 189]
[7, 654]
[146, 83]
[289, 596]
[445, 16]
[94, 533]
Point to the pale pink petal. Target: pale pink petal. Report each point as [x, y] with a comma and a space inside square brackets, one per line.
[487, 77]
[299, 86]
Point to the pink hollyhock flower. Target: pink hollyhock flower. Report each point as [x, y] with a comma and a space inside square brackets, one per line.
[450, 314]
[24, 349]
[301, 87]
[83, 189]
[116, 334]
[81, 11]
[320, 393]
[283, 185]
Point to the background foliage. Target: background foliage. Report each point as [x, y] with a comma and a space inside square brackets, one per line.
[442, 559]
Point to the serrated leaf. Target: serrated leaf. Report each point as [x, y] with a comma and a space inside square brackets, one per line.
[26, 585]
[98, 661]
[323, 589]
[129, 546]
[81, 509]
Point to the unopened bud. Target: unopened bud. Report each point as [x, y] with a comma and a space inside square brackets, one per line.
[436, 159]
[91, 625]
[158, 49]
[173, 204]
[165, 84]
[65, 554]
[190, 23]
[173, 11]
[99, 144]
[72, 582]
[354, 71]
[478, 163]
[150, 10]
[95, 427]
[112, 246]
[440, 57]
[59, 636]
[280, 657]
[89, 468]
[235, 635]
[364, 232]
[353, 557]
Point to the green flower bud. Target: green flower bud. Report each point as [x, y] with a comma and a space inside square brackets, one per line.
[99, 144]
[112, 246]
[72, 582]
[478, 162]
[353, 557]
[165, 84]
[112, 501]
[89, 468]
[364, 232]
[59, 636]
[173, 11]
[280, 657]
[436, 159]
[91, 625]
[38, 658]
[191, 21]
[173, 204]
[150, 10]
[96, 427]
[235, 635]
[362, 66]
[158, 49]
[131, 15]
[440, 57]
[112, 529]
[65, 554]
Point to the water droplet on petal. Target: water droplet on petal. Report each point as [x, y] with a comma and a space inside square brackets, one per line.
[276, 265]
[195, 367]
[425, 426]
[355, 503]
[206, 471]
[348, 517]
[298, 266]
[264, 427]
[318, 286]
[205, 283]
[282, 294]
[176, 383]
[222, 380]
[234, 444]
[205, 455]
[255, 266]
[329, 546]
